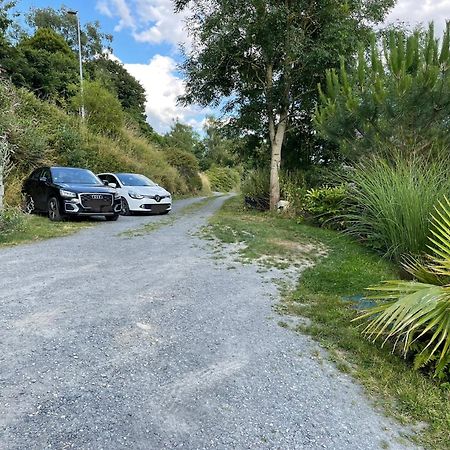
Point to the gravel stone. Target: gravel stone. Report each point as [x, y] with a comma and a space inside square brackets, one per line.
[111, 342]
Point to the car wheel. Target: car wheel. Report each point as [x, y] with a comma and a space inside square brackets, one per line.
[28, 204]
[112, 218]
[125, 211]
[53, 210]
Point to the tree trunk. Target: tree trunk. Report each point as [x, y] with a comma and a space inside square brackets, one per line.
[276, 143]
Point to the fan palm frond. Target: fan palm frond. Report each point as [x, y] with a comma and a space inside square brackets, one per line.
[408, 312]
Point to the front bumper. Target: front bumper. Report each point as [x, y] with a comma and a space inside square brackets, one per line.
[75, 208]
[149, 205]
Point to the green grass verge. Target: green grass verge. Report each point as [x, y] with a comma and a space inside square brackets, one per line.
[411, 397]
[36, 228]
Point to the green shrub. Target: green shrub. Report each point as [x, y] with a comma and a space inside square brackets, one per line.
[223, 179]
[393, 202]
[187, 165]
[292, 185]
[103, 110]
[256, 188]
[326, 204]
[12, 220]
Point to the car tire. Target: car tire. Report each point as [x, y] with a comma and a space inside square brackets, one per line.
[54, 213]
[112, 218]
[125, 211]
[28, 204]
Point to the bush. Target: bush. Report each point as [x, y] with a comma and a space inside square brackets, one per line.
[393, 202]
[187, 165]
[223, 179]
[256, 188]
[292, 185]
[12, 220]
[326, 205]
[103, 110]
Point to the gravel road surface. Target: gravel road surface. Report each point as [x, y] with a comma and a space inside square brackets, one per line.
[149, 342]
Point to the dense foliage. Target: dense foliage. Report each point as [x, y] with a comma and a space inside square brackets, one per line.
[392, 202]
[223, 179]
[394, 98]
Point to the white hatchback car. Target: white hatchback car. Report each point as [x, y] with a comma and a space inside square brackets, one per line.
[139, 193]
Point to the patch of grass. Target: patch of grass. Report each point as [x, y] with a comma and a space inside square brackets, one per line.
[410, 396]
[37, 228]
[272, 239]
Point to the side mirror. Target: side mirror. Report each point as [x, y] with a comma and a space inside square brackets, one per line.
[105, 182]
[113, 185]
[43, 179]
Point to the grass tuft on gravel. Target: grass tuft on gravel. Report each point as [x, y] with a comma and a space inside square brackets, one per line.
[320, 296]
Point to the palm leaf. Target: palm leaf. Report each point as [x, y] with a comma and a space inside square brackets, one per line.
[418, 311]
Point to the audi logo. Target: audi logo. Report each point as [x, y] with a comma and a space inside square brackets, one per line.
[97, 197]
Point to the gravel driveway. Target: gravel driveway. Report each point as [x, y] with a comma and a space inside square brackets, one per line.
[149, 342]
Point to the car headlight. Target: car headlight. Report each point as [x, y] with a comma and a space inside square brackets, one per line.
[67, 194]
[135, 195]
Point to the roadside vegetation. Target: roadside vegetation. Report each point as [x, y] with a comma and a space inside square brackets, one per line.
[18, 228]
[330, 294]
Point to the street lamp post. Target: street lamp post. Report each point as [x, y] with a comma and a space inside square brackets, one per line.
[75, 13]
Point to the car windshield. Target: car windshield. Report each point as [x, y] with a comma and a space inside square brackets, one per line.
[131, 179]
[74, 176]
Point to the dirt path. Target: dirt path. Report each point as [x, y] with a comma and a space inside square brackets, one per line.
[148, 342]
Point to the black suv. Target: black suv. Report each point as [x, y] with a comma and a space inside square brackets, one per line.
[64, 191]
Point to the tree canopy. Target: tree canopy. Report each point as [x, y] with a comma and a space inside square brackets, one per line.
[264, 58]
[94, 42]
[394, 97]
[46, 65]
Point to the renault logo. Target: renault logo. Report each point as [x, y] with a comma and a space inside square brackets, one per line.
[157, 198]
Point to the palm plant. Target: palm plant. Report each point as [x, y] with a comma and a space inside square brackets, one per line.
[416, 314]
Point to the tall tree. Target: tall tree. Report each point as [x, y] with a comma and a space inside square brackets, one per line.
[265, 58]
[219, 149]
[184, 137]
[46, 65]
[394, 97]
[93, 41]
[128, 90]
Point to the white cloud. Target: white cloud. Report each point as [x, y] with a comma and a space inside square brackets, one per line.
[152, 21]
[123, 11]
[103, 8]
[414, 12]
[162, 87]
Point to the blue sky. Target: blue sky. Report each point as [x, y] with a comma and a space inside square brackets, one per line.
[146, 37]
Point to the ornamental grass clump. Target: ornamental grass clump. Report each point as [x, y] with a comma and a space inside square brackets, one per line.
[415, 315]
[392, 202]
